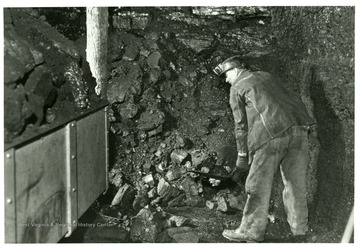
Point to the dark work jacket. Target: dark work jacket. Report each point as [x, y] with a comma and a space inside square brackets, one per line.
[263, 109]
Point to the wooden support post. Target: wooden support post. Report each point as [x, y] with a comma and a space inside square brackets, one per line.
[96, 47]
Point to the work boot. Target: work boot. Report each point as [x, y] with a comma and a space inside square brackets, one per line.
[299, 232]
[306, 237]
[236, 235]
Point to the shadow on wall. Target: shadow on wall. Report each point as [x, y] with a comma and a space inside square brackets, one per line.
[329, 176]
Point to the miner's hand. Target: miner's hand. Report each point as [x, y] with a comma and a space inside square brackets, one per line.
[241, 170]
[242, 163]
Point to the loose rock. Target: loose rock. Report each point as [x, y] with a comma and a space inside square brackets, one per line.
[153, 59]
[183, 235]
[131, 52]
[211, 205]
[150, 120]
[173, 174]
[178, 156]
[166, 191]
[146, 225]
[125, 196]
[179, 221]
[223, 205]
[237, 202]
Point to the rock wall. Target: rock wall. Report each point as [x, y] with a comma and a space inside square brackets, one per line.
[316, 57]
[170, 113]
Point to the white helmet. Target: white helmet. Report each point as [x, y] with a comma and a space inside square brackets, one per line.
[228, 64]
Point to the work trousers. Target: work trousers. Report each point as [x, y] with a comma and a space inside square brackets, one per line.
[289, 151]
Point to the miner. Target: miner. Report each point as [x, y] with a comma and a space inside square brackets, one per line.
[271, 131]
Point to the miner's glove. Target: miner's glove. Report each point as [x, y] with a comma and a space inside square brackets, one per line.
[242, 163]
[241, 170]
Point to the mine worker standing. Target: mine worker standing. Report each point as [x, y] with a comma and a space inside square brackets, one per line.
[271, 130]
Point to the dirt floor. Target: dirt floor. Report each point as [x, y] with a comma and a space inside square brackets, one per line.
[207, 224]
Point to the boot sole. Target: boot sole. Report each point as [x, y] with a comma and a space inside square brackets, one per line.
[239, 240]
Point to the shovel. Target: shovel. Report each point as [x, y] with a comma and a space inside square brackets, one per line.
[222, 177]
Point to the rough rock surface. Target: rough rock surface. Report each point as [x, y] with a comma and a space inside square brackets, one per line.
[50, 68]
[183, 235]
[324, 75]
[146, 225]
[125, 196]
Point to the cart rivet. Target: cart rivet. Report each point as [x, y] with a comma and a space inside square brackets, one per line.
[72, 125]
[73, 157]
[8, 200]
[73, 189]
[8, 155]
